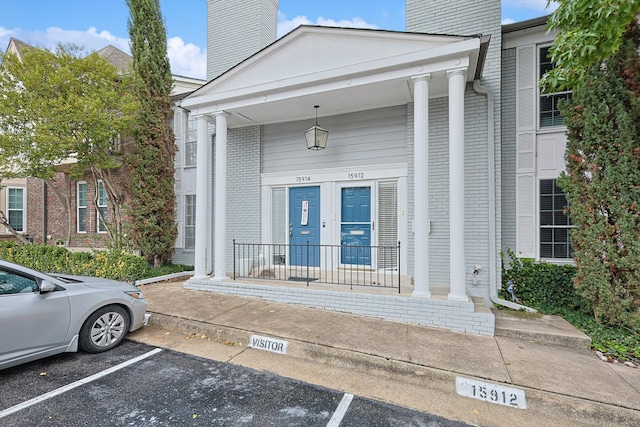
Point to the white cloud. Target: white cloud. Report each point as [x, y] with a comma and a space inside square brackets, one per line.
[187, 60]
[507, 21]
[286, 25]
[90, 39]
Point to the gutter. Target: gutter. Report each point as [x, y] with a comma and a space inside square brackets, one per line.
[494, 275]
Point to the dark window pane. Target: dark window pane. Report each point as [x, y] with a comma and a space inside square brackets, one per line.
[546, 218]
[554, 224]
[546, 103]
[546, 119]
[559, 218]
[82, 219]
[560, 251]
[561, 235]
[546, 251]
[546, 186]
[546, 203]
[15, 220]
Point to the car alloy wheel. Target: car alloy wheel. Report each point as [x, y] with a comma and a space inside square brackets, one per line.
[104, 329]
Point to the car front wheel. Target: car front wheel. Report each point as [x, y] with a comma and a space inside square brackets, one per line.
[104, 329]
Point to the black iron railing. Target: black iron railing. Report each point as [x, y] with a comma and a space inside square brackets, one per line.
[377, 266]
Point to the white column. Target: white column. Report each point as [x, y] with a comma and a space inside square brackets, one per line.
[202, 200]
[421, 187]
[221, 198]
[457, 83]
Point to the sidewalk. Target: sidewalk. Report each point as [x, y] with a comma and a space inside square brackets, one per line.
[409, 365]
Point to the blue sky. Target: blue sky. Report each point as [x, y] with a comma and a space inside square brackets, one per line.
[95, 24]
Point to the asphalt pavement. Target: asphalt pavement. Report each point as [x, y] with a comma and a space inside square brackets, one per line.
[537, 370]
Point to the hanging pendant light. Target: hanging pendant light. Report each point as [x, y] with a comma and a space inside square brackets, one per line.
[316, 135]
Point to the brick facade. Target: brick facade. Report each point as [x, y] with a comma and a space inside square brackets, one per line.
[47, 221]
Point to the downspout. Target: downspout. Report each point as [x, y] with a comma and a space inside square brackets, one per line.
[494, 275]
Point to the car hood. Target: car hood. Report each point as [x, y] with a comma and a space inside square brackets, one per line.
[93, 282]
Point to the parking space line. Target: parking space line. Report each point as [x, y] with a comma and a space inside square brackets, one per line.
[75, 384]
[340, 410]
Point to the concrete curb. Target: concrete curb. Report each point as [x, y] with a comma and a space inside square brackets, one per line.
[435, 383]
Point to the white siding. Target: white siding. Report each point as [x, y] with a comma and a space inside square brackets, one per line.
[359, 139]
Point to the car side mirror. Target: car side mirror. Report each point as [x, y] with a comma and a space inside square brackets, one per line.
[46, 287]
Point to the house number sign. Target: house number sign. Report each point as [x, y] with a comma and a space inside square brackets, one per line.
[355, 175]
[492, 393]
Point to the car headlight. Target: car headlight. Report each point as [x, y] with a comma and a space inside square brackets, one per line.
[135, 294]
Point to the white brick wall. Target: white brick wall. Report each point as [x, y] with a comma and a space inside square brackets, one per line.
[236, 29]
[243, 188]
[451, 315]
[462, 17]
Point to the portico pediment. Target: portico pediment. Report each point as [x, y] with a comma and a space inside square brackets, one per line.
[346, 63]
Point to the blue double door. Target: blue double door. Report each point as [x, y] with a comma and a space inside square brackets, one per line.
[304, 226]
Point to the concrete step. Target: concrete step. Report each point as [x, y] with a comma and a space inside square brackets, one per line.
[546, 329]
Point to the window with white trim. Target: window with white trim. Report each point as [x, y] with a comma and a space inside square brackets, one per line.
[15, 208]
[81, 209]
[102, 208]
[549, 114]
[554, 223]
[190, 143]
[190, 221]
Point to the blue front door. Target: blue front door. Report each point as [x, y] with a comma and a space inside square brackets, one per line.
[355, 230]
[304, 225]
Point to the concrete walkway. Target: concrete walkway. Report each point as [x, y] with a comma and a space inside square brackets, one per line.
[415, 366]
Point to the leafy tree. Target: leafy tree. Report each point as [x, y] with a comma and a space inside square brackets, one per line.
[589, 31]
[602, 183]
[63, 107]
[152, 209]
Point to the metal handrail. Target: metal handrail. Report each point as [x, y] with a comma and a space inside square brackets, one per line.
[352, 265]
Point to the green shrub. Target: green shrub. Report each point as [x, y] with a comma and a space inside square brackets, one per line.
[167, 269]
[544, 286]
[111, 264]
[549, 289]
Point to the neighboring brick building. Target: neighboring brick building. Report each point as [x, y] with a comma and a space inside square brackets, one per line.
[33, 208]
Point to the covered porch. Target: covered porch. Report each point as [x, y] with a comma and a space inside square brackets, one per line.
[344, 71]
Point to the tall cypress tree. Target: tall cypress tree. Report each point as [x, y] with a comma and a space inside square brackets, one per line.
[152, 158]
[602, 183]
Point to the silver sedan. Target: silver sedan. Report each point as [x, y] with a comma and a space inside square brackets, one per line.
[44, 314]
